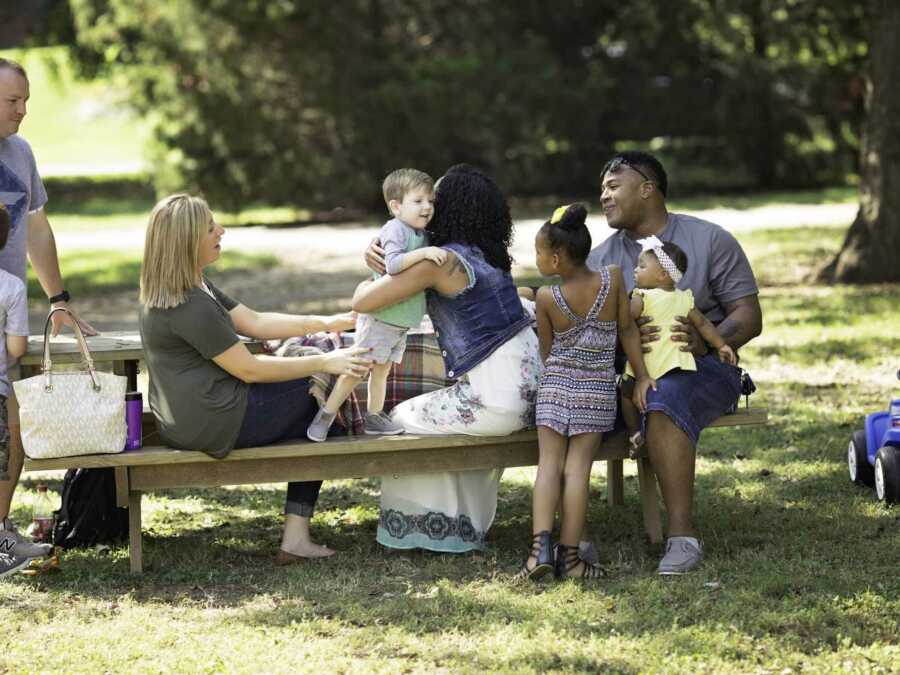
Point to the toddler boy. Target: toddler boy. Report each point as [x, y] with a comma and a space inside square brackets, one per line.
[409, 195]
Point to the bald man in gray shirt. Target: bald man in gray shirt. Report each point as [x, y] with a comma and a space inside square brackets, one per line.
[22, 193]
[633, 197]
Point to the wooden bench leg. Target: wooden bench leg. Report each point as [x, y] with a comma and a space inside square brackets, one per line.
[121, 474]
[135, 553]
[649, 500]
[615, 482]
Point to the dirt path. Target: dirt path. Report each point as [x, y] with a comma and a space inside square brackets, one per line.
[321, 265]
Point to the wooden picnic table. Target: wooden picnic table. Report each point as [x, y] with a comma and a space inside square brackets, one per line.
[158, 467]
[122, 349]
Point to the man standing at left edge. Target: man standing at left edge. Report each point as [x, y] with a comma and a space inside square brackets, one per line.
[22, 192]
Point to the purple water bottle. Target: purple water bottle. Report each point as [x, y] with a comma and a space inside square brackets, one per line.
[134, 411]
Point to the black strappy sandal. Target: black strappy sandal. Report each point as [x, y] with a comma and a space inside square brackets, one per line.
[567, 559]
[542, 550]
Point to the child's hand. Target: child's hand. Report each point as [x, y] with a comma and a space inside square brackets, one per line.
[726, 354]
[639, 397]
[435, 254]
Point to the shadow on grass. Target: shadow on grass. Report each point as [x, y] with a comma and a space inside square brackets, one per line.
[795, 555]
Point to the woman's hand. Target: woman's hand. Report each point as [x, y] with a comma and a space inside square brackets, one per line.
[641, 386]
[374, 256]
[339, 322]
[351, 361]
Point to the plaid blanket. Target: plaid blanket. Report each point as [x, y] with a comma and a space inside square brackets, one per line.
[422, 370]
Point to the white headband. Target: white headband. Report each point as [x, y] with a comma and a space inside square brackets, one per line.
[651, 243]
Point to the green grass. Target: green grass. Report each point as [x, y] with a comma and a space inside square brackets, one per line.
[102, 271]
[800, 575]
[741, 201]
[77, 127]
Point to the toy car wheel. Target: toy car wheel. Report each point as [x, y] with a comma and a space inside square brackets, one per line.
[861, 471]
[887, 474]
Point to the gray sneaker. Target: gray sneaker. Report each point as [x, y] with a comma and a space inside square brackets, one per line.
[318, 429]
[380, 424]
[11, 563]
[588, 552]
[682, 555]
[14, 544]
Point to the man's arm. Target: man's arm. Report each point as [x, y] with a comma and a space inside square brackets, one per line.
[742, 323]
[42, 252]
[44, 259]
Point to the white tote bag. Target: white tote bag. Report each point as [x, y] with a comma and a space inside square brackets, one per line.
[72, 412]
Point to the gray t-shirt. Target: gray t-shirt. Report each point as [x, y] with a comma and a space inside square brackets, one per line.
[22, 191]
[197, 404]
[718, 270]
[13, 318]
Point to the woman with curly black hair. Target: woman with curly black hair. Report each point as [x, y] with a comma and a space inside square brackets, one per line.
[489, 348]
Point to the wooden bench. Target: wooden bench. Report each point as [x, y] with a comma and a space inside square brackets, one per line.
[152, 468]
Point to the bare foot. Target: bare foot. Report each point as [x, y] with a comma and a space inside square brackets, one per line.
[310, 550]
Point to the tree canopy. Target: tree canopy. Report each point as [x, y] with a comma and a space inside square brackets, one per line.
[314, 101]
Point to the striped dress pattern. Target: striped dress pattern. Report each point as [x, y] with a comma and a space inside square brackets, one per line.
[577, 391]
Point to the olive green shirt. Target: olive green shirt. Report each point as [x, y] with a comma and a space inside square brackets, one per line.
[197, 404]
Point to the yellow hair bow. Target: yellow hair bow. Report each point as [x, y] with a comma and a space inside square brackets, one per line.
[558, 214]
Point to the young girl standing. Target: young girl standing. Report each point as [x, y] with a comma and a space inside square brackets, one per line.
[577, 321]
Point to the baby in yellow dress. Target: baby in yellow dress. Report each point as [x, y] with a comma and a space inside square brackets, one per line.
[660, 267]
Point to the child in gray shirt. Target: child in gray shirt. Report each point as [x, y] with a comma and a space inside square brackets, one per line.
[409, 195]
[13, 337]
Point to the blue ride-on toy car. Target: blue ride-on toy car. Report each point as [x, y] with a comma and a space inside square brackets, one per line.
[873, 456]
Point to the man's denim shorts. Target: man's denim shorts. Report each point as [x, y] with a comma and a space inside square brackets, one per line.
[694, 399]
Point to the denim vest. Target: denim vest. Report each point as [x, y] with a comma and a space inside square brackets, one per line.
[471, 325]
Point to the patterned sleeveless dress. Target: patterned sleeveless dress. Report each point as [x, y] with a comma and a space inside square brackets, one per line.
[577, 391]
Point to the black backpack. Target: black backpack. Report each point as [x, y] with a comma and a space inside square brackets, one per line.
[88, 514]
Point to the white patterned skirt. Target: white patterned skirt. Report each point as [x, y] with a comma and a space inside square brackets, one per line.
[452, 511]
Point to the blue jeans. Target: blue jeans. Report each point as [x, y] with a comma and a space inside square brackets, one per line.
[281, 411]
[694, 399]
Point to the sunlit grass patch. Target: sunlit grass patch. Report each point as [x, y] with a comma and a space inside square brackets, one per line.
[792, 256]
[96, 272]
[799, 574]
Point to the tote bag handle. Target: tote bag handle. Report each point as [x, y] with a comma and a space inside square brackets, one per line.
[47, 364]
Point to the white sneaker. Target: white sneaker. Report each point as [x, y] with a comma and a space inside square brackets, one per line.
[682, 555]
[14, 544]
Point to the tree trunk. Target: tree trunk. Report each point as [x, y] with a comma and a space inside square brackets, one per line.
[871, 250]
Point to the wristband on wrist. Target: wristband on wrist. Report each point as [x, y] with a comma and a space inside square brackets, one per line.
[61, 297]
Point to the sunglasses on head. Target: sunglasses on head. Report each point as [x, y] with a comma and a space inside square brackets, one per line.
[618, 162]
